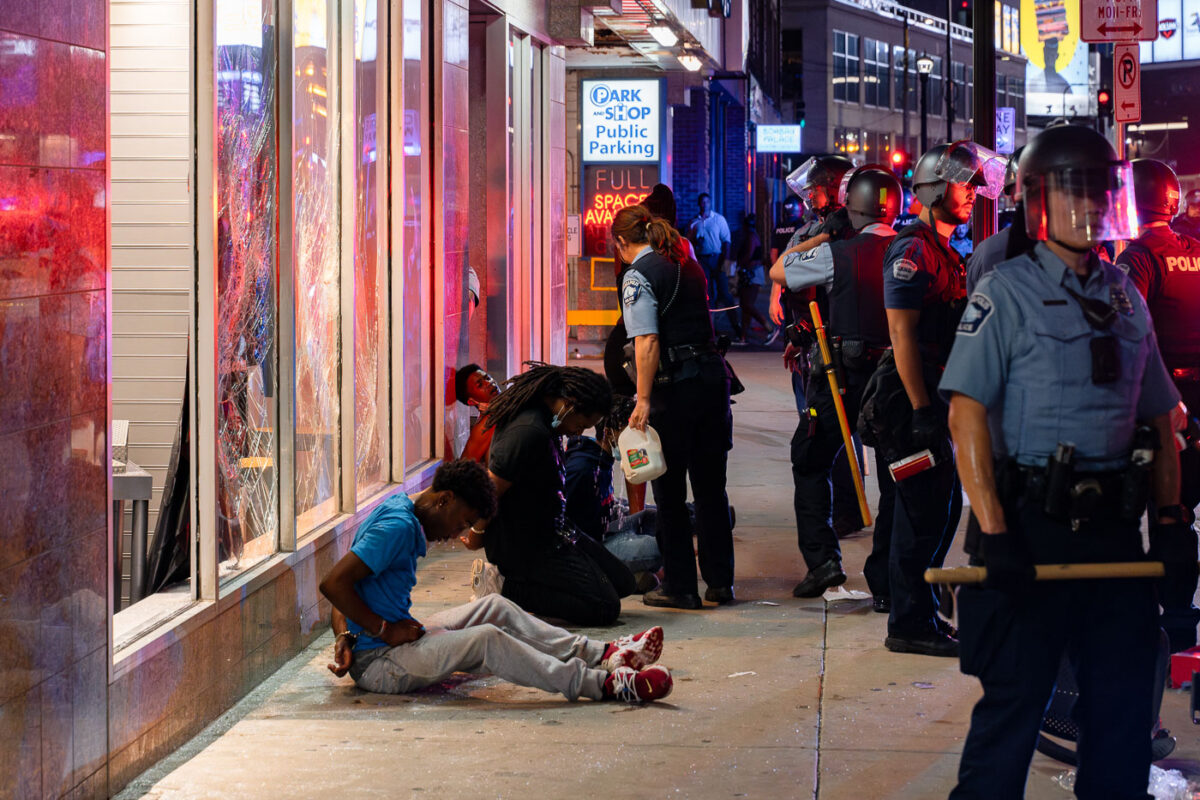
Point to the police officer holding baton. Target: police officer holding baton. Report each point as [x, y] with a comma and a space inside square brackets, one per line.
[1165, 267]
[1056, 355]
[850, 272]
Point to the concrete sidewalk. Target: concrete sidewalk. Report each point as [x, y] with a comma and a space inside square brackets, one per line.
[774, 698]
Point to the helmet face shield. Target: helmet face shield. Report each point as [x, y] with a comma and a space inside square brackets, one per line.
[797, 181]
[970, 163]
[1082, 205]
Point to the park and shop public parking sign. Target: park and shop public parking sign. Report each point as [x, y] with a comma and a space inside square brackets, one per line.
[621, 121]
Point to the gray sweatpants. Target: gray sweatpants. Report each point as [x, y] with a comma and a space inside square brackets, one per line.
[490, 635]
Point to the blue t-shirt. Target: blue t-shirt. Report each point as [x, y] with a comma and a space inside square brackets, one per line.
[389, 542]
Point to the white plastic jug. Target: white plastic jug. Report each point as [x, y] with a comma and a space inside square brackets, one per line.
[641, 455]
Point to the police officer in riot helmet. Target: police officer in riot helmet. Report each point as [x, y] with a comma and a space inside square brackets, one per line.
[816, 182]
[683, 391]
[924, 294]
[1189, 221]
[994, 249]
[1059, 400]
[1164, 265]
[849, 271]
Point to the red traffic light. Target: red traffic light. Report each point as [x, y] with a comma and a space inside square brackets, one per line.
[898, 157]
[1103, 97]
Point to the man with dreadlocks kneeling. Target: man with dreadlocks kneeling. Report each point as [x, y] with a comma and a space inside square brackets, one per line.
[549, 568]
[385, 650]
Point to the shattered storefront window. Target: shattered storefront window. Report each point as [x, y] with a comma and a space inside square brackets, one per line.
[246, 180]
[370, 274]
[316, 266]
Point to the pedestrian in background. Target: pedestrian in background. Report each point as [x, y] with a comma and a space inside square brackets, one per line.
[750, 280]
[709, 232]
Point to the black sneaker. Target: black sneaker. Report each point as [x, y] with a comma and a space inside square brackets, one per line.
[931, 644]
[659, 598]
[820, 578]
[719, 594]
[881, 604]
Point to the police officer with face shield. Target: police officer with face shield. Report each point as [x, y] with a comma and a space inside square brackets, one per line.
[1165, 267]
[849, 271]
[994, 249]
[1189, 221]
[1058, 400]
[924, 295]
[816, 182]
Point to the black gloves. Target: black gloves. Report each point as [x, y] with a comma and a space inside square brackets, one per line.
[1174, 544]
[928, 429]
[1007, 561]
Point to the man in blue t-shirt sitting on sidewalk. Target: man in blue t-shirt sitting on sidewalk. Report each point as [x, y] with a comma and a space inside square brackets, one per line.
[385, 650]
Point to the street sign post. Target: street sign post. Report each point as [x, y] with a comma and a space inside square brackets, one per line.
[1118, 20]
[1127, 83]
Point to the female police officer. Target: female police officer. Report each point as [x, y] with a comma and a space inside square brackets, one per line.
[683, 389]
[1056, 350]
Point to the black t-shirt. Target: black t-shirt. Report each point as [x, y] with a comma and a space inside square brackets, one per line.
[526, 453]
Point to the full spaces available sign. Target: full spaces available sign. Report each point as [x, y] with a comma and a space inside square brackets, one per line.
[621, 120]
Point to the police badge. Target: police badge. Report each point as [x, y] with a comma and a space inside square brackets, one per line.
[1120, 301]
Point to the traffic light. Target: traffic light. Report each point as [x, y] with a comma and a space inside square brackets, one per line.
[1104, 103]
[901, 164]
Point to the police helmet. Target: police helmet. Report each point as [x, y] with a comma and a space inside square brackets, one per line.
[873, 194]
[1074, 187]
[1010, 174]
[1193, 197]
[962, 162]
[824, 172]
[1155, 190]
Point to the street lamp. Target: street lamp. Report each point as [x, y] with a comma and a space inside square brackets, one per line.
[924, 67]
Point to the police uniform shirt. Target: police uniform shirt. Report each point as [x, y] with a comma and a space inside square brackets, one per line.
[639, 306]
[919, 270]
[1165, 268]
[815, 267]
[1023, 350]
[991, 251]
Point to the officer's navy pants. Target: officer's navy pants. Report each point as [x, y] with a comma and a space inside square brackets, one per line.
[694, 422]
[1179, 615]
[1014, 643]
[928, 508]
[813, 473]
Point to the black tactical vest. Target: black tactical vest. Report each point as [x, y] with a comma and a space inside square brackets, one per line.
[940, 316]
[856, 298]
[686, 319]
[1175, 299]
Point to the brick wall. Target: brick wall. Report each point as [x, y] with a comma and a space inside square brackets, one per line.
[690, 153]
[733, 161]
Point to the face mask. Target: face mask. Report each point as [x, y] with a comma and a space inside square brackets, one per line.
[558, 418]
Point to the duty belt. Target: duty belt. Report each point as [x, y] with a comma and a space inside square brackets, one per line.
[685, 352]
[1086, 496]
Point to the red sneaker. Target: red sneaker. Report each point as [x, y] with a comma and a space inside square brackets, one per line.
[638, 686]
[637, 651]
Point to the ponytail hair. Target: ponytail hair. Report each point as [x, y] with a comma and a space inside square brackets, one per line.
[636, 225]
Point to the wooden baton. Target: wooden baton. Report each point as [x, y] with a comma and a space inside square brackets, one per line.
[1054, 572]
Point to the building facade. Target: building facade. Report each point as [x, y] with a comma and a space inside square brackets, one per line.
[253, 234]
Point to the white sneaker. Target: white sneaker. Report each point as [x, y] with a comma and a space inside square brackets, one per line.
[485, 579]
[774, 335]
